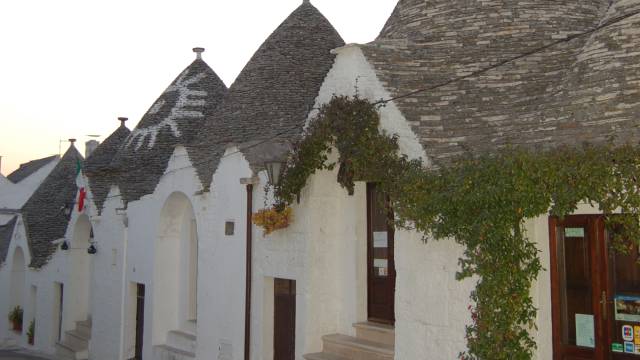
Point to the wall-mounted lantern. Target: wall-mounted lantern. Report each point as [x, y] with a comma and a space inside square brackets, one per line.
[64, 246]
[92, 250]
[274, 169]
[67, 209]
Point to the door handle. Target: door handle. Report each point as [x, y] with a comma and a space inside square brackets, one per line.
[603, 304]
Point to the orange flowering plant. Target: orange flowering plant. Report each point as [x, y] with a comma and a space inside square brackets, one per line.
[273, 218]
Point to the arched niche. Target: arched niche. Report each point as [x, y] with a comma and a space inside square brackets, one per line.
[175, 268]
[79, 280]
[18, 271]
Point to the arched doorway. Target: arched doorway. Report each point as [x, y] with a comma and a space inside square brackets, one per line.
[80, 277]
[18, 270]
[175, 269]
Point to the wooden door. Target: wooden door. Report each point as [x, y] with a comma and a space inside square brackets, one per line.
[284, 322]
[59, 310]
[381, 273]
[623, 302]
[576, 287]
[595, 292]
[139, 321]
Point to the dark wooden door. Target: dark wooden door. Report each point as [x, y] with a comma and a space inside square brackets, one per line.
[60, 307]
[284, 322]
[576, 287]
[139, 321]
[595, 292]
[381, 273]
[623, 301]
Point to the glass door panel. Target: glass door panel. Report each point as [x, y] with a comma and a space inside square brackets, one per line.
[576, 287]
[576, 290]
[624, 304]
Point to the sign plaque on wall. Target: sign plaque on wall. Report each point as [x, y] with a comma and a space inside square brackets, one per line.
[574, 232]
[627, 333]
[629, 347]
[617, 347]
[380, 239]
[627, 308]
[585, 331]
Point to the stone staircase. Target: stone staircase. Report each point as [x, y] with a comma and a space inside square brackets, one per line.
[372, 342]
[181, 345]
[75, 345]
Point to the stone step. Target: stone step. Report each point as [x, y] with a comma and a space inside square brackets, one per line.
[76, 339]
[324, 356]
[191, 326]
[66, 351]
[182, 340]
[166, 352]
[8, 342]
[356, 349]
[84, 328]
[382, 333]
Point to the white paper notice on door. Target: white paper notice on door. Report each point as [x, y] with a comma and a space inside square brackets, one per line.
[380, 239]
[574, 232]
[380, 263]
[585, 334]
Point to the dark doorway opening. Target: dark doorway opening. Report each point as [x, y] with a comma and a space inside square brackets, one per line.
[59, 310]
[284, 322]
[381, 271]
[139, 321]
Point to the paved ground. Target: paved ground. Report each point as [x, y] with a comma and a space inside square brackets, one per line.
[18, 354]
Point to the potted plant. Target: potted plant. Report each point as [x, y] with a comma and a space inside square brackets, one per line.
[273, 218]
[15, 317]
[31, 331]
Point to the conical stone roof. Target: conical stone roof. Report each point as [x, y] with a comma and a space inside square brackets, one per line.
[98, 166]
[275, 91]
[175, 118]
[43, 214]
[561, 95]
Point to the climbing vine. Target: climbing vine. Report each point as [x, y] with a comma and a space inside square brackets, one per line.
[481, 202]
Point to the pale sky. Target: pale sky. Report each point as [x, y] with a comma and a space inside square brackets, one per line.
[69, 68]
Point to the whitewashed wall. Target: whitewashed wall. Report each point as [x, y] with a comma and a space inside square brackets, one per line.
[107, 283]
[324, 251]
[221, 271]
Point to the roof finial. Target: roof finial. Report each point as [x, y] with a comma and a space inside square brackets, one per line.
[72, 141]
[198, 51]
[306, 1]
[122, 120]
